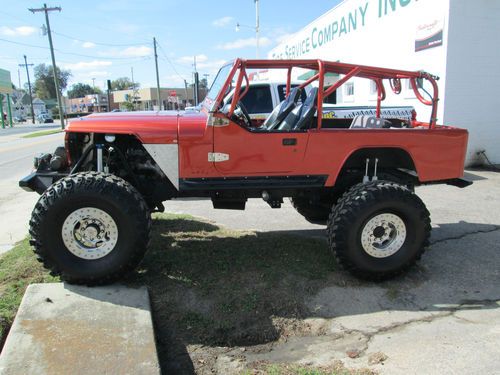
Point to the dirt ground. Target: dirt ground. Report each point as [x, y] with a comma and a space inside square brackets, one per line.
[229, 300]
[245, 302]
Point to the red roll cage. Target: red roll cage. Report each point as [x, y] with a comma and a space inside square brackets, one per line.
[322, 67]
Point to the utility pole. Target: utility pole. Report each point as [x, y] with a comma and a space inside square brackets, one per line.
[54, 68]
[257, 26]
[186, 88]
[157, 77]
[196, 83]
[93, 84]
[29, 87]
[19, 78]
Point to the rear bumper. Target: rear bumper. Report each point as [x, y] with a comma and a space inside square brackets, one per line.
[40, 181]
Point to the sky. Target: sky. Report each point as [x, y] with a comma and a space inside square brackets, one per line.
[105, 39]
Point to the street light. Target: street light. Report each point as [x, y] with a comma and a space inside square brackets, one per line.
[256, 27]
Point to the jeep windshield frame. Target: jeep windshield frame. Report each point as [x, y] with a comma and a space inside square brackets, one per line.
[321, 68]
[219, 82]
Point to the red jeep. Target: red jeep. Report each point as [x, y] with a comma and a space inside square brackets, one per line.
[92, 223]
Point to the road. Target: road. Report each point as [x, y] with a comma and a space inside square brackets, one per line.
[16, 161]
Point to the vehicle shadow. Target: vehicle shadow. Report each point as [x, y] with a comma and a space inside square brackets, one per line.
[213, 287]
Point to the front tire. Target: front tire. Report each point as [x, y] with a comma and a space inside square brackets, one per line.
[379, 229]
[90, 228]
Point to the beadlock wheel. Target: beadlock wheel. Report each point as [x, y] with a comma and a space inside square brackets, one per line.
[378, 229]
[89, 233]
[90, 228]
[383, 235]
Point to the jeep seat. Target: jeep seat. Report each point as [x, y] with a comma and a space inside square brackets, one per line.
[282, 110]
[307, 110]
[301, 116]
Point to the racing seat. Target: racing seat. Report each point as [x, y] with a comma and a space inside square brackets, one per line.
[282, 110]
[369, 122]
[301, 116]
[307, 110]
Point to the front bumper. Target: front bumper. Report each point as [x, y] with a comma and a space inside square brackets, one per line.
[40, 181]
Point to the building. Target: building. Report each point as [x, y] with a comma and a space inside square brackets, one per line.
[456, 40]
[5, 100]
[87, 104]
[146, 99]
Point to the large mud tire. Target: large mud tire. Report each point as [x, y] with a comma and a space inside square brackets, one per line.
[90, 228]
[378, 230]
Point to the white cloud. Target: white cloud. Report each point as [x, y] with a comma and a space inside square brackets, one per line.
[189, 59]
[138, 51]
[243, 43]
[99, 73]
[18, 31]
[88, 45]
[87, 65]
[211, 66]
[283, 37]
[223, 21]
[173, 80]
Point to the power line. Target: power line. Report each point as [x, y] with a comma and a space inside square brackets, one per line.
[170, 62]
[98, 43]
[72, 53]
[23, 44]
[99, 26]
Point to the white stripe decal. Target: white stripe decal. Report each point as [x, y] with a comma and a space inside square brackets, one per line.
[167, 158]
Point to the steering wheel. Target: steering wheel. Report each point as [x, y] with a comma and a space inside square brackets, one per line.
[242, 114]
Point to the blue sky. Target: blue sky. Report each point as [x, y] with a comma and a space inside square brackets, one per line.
[104, 39]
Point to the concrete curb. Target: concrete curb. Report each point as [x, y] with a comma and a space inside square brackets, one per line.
[68, 329]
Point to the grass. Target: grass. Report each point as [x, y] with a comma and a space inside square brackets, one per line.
[337, 368]
[18, 269]
[209, 285]
[42, 133]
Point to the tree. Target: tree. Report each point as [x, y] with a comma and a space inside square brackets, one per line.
[123, 83]
[44, 86]
[128, 106]
[79, 90]
[203, 83]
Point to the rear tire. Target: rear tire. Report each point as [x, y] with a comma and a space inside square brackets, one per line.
[90, 228]
[378, 230]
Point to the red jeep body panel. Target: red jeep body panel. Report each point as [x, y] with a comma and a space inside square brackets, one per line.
[438, 152]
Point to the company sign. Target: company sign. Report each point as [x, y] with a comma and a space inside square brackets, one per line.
[5, 82]
[336, 24]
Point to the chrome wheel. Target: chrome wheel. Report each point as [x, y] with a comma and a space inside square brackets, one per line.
[89, 233]
[383, 235]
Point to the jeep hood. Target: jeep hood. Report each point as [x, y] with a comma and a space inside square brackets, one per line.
[147, 126]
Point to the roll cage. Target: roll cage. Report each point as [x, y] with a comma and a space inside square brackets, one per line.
[378, 75]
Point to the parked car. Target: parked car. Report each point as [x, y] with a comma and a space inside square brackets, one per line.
[92, 223]
[45, 118]
[20, 119]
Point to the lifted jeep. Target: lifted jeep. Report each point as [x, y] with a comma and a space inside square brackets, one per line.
[92, 222]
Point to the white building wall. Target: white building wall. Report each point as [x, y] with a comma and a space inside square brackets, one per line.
[385, 35]
[472, 96]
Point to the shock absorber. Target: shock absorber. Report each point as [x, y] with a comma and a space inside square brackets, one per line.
[100, 164]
